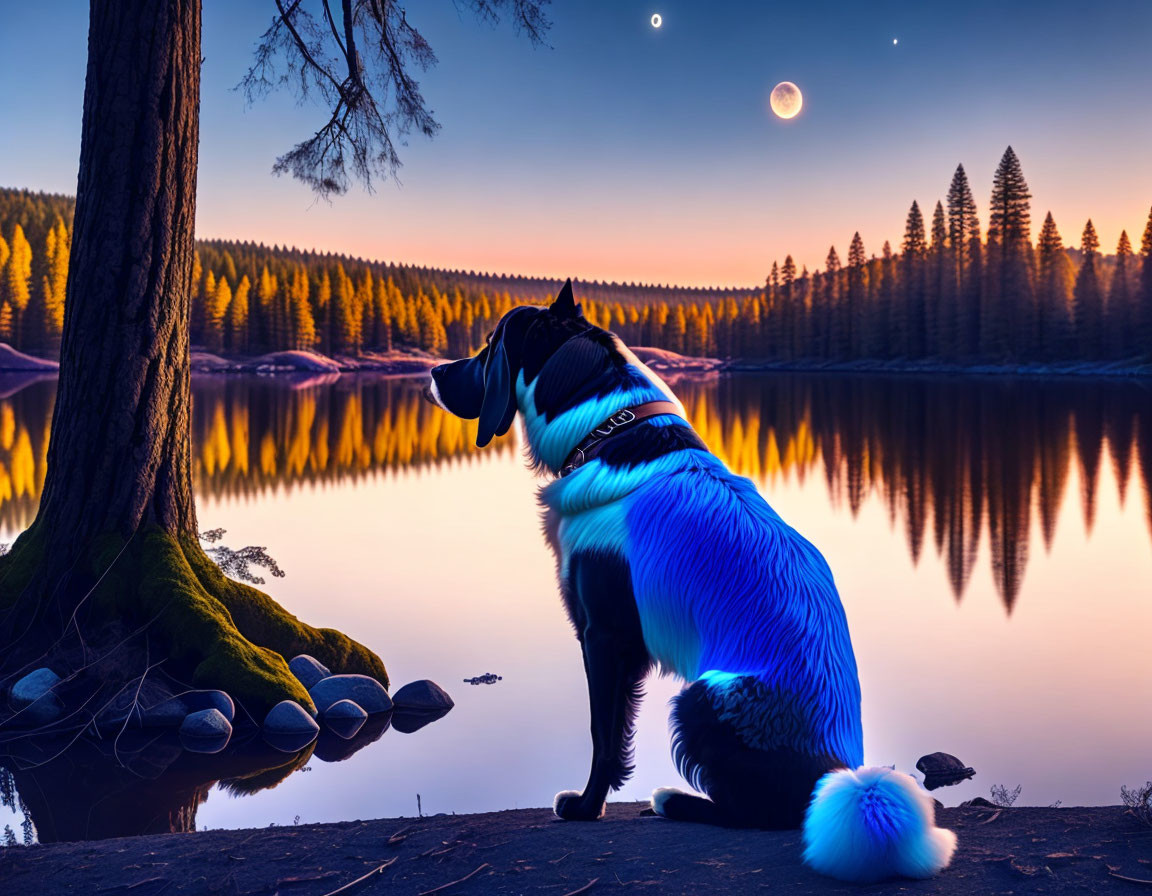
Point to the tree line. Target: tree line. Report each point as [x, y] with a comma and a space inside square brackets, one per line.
[933, 451]
[952, 292]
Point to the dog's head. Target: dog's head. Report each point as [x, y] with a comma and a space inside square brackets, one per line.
[524, 341]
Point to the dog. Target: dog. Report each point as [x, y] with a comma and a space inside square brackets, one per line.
[666, 558]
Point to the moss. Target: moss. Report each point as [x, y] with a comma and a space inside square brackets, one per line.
[217, 633]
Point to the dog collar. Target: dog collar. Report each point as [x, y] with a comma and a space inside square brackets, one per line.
[592, 443]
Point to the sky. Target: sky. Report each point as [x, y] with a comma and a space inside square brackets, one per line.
[623, 152]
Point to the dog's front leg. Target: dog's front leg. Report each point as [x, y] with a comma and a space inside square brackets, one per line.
[615, 663]
[612, 694]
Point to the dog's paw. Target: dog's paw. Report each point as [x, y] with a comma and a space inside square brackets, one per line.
[570, 806]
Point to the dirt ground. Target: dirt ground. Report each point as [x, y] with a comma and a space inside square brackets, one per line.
[1009, 851]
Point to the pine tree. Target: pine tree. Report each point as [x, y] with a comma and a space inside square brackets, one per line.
[1088, 297]
[18, 272]
[1053, 293]
[272, 331]
[324, 311]
[1144, 307]
[303, 321]
[1008, 303]
[857, 297]
[237, 331]
[828, 325]
[965, 245]
[57, 245]
[908, 323]
[939, 325]
[782, 342]
[215, 312]
[1120, 313]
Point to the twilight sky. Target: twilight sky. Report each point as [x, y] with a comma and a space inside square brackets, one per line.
[628, 153]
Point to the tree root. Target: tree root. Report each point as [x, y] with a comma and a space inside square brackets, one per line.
[213, 631]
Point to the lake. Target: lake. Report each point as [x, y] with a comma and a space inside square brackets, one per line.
[990, 539]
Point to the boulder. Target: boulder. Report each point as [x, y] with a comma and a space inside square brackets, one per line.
[171, 712]
[32, 697]
[288, 727]
[360, 689]
[205, 731]
[422, 696]
[942, 770]
[308, 670]
[345, 718]
[979, 802]
[218, 700]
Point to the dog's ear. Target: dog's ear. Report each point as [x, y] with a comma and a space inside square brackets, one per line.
[499, 406]
[565, 304]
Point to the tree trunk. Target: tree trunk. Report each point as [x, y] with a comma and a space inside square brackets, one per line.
[111, 574]
[119, 453]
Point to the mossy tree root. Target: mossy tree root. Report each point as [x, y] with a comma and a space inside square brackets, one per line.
[213, 631]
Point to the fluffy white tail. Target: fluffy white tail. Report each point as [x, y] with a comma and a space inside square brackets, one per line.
[873, 823]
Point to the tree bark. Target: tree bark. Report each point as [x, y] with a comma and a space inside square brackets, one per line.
[111, 572]
[119, 454]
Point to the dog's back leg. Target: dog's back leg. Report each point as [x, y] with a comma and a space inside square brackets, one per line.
[748, 784]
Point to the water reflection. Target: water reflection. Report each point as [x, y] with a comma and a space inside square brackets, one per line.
[953, 460]
[146, 783]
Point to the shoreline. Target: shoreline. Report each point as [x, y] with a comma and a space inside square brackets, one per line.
[14, 364]
[1017, 850]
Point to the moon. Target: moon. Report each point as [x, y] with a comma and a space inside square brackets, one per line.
[657, 20]
[786, 100]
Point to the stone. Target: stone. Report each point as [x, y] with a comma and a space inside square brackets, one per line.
[32, 697]
[288, 727]
[942, 770]
[345, 718]
[979, 802]
[205, 731]
[218, 700]
[360, 689]
[308, 670]
[422, 696]
[171, 712]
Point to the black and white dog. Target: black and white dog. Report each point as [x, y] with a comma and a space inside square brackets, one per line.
[665, 557]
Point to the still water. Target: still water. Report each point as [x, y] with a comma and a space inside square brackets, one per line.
[990, 539]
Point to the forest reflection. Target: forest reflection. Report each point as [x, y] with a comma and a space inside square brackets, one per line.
[951, 458]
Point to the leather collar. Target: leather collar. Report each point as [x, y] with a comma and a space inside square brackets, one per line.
[592, 443]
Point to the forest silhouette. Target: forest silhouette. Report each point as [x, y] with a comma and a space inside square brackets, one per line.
[956, 463]
[951, 293]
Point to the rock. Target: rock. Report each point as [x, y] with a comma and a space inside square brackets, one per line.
[422, 696]
[205, 731]
[32, 697]
[942, 770]
[288, 727]
[218, 700]
[361, 689]
[345, 718]
[979, 802]
[308, 670]
[171, 712]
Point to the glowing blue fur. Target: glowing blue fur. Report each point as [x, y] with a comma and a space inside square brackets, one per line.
[727, 592]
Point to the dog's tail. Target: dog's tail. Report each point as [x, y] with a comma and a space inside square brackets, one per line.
[873, 823]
